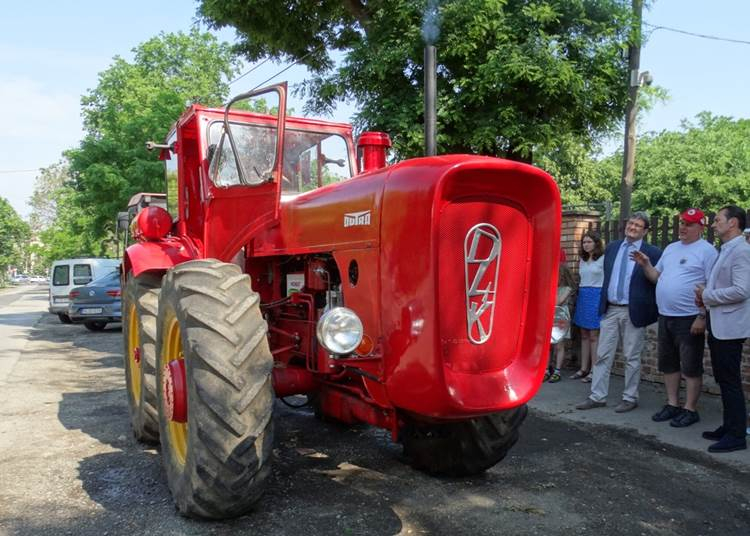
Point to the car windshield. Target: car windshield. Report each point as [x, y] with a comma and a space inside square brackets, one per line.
[111, 279]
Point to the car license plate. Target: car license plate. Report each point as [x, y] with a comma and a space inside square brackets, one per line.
[91, 311]
[61, 300]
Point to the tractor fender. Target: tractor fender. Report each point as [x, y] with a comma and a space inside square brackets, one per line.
[158, 255]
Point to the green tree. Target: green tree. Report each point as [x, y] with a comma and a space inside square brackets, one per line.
[581, 178]
[135, 102]
[46, 192]
[706, 164]
[514, 76]
[71, 233]
[14, 236]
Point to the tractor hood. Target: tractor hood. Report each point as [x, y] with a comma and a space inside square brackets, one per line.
[461, 253]
[337, 217]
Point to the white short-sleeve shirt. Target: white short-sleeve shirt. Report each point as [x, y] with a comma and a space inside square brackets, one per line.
[682, 267]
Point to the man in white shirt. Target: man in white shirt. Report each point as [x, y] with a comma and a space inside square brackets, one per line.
[682, 324]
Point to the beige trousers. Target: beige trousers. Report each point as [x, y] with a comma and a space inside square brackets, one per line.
[614, 325]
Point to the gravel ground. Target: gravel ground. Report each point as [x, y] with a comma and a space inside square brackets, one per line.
[69, 465]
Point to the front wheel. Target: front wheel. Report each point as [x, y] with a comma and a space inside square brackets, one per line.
[215, 395]
[462, 448]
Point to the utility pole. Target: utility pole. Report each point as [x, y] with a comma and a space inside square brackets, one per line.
[631, 112]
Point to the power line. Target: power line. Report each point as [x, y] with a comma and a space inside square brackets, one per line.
[249, 71]
[4, 171]
[303, 58]
[702, 36]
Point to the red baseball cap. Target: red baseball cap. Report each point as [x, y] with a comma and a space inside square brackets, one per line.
[693, 215]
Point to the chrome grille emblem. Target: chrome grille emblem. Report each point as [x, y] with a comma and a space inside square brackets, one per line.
[482, 264]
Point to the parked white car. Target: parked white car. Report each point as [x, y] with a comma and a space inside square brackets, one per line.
[68, 273]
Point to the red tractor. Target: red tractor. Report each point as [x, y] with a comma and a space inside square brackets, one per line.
[415, 297]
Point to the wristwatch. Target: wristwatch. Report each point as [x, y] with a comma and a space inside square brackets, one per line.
[702, 315]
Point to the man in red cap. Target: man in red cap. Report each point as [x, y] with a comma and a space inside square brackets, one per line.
[682, 324]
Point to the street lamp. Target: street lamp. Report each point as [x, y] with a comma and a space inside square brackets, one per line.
[642, 79]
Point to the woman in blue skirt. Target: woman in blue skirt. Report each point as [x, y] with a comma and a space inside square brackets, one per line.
[591, 270]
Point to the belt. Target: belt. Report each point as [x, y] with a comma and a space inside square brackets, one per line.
[617, 304]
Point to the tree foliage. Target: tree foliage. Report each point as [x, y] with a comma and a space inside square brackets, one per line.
[583, 181]
[705, 164]
[14, 234]
[58, 223]
[514, 76]
[44, 199]
[135, 102]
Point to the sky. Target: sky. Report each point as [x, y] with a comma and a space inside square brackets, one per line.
[51, 53]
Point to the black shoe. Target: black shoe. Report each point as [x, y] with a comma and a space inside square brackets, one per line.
[715, 435]
[667, 413]
[728, 444]
[686, 418]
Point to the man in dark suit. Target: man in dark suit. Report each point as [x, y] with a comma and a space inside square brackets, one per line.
[628, 305]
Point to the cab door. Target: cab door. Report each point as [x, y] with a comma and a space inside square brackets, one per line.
[245, 171]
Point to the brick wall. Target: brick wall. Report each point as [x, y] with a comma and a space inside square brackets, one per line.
[574, 224]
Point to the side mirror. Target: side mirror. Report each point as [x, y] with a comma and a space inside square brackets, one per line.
[340, 162]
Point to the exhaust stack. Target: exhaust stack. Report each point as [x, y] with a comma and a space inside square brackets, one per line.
[430, 34]
[430, 101]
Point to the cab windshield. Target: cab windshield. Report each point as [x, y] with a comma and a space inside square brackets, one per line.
[311, 159]
[256, 147]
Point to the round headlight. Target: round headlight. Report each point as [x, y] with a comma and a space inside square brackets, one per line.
[340, 331]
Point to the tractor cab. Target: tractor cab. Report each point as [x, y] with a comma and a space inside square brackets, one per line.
[234, 167]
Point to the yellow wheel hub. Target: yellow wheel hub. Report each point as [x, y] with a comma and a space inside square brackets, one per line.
[134, 354]
[172, 351]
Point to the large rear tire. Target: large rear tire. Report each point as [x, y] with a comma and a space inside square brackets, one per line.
[462, 448]
[140, 307]
[218, 460]
[64, 318]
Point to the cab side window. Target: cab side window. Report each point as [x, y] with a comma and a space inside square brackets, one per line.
[171, 181]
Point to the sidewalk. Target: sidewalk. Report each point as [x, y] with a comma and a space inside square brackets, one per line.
[559, 400]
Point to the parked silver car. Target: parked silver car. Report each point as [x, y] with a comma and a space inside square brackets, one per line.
[98, 303]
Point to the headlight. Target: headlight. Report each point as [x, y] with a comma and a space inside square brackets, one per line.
[340, 331]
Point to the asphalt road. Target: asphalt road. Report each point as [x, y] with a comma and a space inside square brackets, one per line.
[69, 465]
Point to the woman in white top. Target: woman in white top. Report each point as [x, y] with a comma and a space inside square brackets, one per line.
[591, 270]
